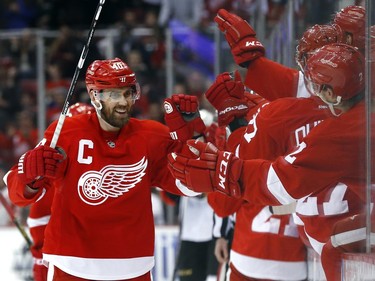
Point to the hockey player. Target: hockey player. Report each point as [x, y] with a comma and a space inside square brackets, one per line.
[249, 53]
[330, 158]
[283, 137]
[101, 225]
[261, 238]
[40, 211]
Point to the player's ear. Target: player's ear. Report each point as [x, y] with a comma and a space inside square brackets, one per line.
[330, 95]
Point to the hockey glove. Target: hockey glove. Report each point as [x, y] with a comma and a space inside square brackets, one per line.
[216, 135]
[214, 170]
[227, 96]
[240, 36]
[182, 116]
[42, 161]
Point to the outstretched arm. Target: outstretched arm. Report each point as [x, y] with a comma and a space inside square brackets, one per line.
[272, 80]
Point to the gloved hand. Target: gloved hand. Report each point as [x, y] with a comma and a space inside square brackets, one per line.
[216, 135]
[40, 162]
[240, 36]
[254, 101]
[227, 96]
[214, 170]
[182, 116]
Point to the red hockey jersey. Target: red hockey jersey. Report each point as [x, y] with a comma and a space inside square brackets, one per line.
[101, 225]
[39, 216]
[260, 238]
[327, 172]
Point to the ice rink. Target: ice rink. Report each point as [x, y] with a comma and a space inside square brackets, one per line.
[11, 244]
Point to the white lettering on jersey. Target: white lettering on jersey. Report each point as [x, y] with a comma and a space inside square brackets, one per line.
[81, 149]
[248, 134]
[303, 131]
[334, 206]
[264, 222]
[291, 157]
[111, 181]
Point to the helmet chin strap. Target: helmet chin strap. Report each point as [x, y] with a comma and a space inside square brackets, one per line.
[331, 104]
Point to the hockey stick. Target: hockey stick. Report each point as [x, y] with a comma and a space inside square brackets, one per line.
[10, 212]
[81, 61]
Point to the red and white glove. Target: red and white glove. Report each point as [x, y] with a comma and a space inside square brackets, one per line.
[240, 36]
[182, 116]
[227, 96]
[40, 162]
[213, 170]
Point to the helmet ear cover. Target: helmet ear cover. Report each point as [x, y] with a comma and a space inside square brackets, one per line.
[104, 74]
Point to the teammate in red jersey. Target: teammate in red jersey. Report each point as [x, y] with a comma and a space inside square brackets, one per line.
[330, 158]
[261, 238]
[248, 52]
[101, 225]
[40, 211]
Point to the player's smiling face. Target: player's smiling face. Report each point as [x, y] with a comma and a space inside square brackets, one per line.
[117, 104]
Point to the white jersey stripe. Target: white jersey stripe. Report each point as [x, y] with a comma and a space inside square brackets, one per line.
[31, 222]
[277, 189]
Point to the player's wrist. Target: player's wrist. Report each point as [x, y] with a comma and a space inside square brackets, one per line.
[237, 123]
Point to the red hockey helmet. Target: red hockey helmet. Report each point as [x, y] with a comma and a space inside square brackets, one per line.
[80, 108]
[338, 66]
[352, 20]
[315, 37]
[114, 73]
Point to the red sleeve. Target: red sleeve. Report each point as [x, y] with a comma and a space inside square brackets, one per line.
[160, 144]
[40, 210]
[271, 80]
[329, 154]
[222, 204]
[16, 189]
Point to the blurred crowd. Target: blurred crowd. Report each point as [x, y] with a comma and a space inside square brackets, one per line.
[144, 51]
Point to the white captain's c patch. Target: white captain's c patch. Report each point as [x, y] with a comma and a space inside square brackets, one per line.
[112, 181]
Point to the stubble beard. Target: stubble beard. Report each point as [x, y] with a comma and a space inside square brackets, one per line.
[114, 120]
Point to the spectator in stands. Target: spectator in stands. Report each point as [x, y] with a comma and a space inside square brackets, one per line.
[9, 90]
[188, 12]
[66, 50]
[57, 88]
[26, 134]
[18, 14]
